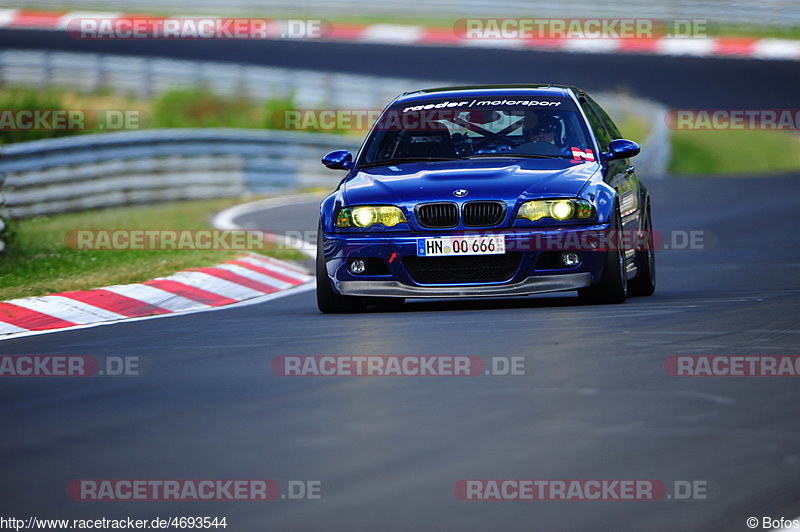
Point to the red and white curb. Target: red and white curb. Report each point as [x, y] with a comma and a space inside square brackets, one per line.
[249, 279]
[421, 35]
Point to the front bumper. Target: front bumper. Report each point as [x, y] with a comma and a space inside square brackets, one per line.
[397, 281]
[531, 285]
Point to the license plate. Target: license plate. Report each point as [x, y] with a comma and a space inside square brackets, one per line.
[461, 245]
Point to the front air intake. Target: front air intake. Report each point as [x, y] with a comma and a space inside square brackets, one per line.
[482, 213]
[437, 215]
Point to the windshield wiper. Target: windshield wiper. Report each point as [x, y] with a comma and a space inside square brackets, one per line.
[389, 162]
[518, 156]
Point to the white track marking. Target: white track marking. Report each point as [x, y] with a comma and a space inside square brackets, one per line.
[217, 285]
[776, 49]
[7, 16]
[66, 309]
[155, 296]
[686, 46]
[600, 46]
[255, 276]
[7, 328]
[392, 34]
[277, 268]
[63, 22]
[263, 259]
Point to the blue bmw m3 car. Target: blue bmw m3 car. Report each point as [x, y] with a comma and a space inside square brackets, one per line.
[489, 191]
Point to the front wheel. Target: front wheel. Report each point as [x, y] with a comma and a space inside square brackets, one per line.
[613, 285]
[328, 301]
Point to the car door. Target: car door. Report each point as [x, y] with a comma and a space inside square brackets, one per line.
[618, 173]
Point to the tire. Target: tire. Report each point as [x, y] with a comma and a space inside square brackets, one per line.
[328, 301]
[644, 284]
[613, 285]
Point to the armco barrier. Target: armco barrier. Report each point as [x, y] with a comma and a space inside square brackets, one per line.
[145, 77]
[91, 171]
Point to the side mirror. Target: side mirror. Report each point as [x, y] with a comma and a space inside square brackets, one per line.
[621, 149]
[338, 160]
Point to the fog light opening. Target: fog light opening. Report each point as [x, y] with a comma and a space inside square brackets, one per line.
[570, 259]
[357, 266]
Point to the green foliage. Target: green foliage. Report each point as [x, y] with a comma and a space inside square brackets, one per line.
[734, 152]
[275, 111]
[20, 98]
[187, 108]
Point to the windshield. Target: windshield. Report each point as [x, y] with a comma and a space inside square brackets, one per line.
[451, 129]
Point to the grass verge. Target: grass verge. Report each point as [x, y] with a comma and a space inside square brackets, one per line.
[734, 152]
[176, 108]
[633, 128]
[38, 261]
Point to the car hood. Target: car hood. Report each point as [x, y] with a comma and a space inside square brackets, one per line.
[486, 179]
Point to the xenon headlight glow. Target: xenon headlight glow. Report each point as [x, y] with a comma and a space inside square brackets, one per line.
[368, 215]
[558, 209]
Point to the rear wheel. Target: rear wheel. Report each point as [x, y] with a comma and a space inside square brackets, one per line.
[328, 300]
[613, 285]
[644, 284]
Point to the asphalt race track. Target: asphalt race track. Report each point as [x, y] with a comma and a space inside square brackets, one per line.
[596, 402]
[674, 81]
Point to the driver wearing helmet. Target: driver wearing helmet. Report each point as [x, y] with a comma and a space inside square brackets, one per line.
[539, 132]
[544, 131]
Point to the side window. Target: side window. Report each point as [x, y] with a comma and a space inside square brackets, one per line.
[603, 137]
[610, 125]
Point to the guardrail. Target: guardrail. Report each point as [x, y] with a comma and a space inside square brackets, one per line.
[104, 170]
[145, 77]
[767, 12]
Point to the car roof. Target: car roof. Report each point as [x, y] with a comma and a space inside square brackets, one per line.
[477, 91]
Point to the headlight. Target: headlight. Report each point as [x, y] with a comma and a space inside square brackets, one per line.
[367, 215]
[559, 209]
